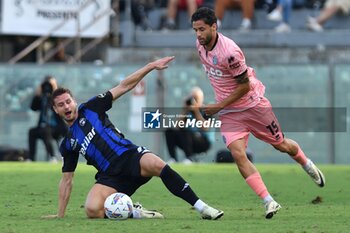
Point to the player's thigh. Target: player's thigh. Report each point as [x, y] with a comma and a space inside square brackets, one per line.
[97, 195]
[233, 127]
[151, 165]
[263, 123]
[238, 148]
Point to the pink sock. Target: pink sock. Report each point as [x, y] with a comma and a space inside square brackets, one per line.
[300, 157]
[257, 184]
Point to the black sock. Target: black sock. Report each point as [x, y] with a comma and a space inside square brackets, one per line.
[177, 185]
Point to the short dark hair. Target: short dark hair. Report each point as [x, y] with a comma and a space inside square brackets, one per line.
[60, 91]
[206, 14]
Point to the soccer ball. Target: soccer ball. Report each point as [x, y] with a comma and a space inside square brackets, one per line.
[118, 206]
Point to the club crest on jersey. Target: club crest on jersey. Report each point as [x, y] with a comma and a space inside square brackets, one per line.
[215, 60]
[82, 121]
[101, 95]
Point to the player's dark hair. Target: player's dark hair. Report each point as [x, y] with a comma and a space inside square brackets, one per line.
[60, 91]
[206, 14]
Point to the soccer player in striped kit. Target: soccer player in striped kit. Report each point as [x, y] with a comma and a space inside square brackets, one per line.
[241, 106]
[122, 166]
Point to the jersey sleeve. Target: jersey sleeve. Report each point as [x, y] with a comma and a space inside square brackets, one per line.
[235, 61]
[101, 103]
[70, 158]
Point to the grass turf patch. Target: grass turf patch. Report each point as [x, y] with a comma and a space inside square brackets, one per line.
[29, 190]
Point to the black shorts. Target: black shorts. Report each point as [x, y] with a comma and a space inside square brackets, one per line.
[125, 174]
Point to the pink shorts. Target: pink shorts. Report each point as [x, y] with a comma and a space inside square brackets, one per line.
[259, 120]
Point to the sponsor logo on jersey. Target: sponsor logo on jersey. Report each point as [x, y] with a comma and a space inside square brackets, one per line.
[231, 62]
[86, 142]
[213, 72]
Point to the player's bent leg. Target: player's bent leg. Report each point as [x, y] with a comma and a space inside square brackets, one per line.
[252, 177]
[151, 165]
[293, 149]
[94, 204]
[287, 146]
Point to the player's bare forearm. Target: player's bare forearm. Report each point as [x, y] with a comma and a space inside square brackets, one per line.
[238, 93]
[133, 79]
[65, 189]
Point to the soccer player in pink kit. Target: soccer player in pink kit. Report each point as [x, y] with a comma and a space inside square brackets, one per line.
[242, 107]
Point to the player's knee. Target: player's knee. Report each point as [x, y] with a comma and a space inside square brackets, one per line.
[284, 147]
[239, 155]
[151, 165]
[158, 167]
[93, 212]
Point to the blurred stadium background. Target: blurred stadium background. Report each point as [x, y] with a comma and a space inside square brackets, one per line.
[90, 46]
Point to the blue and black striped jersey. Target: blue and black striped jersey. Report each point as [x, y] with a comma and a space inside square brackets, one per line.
[93, 136]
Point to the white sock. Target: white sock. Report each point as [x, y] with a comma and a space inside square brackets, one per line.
[267, 199]
[199, 205]
[136, 213]
[307, 165]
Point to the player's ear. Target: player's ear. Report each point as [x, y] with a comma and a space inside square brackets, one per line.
[54, 108]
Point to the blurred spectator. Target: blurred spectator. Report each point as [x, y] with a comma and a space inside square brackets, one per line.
[191, 140]
[139, 11]
[331, 8]
[175, 5]
[61, 55]
[281, 14]
[247, 7]
[50, 127]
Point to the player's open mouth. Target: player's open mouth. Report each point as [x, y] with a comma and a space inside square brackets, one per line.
[68, 113]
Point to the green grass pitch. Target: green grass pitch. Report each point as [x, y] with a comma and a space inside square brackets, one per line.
[29, 191]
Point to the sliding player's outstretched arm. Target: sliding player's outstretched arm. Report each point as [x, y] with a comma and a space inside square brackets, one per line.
[133, 79]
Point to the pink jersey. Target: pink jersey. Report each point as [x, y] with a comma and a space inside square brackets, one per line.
[224, 62]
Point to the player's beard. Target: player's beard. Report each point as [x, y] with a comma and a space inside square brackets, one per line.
[205, 41]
